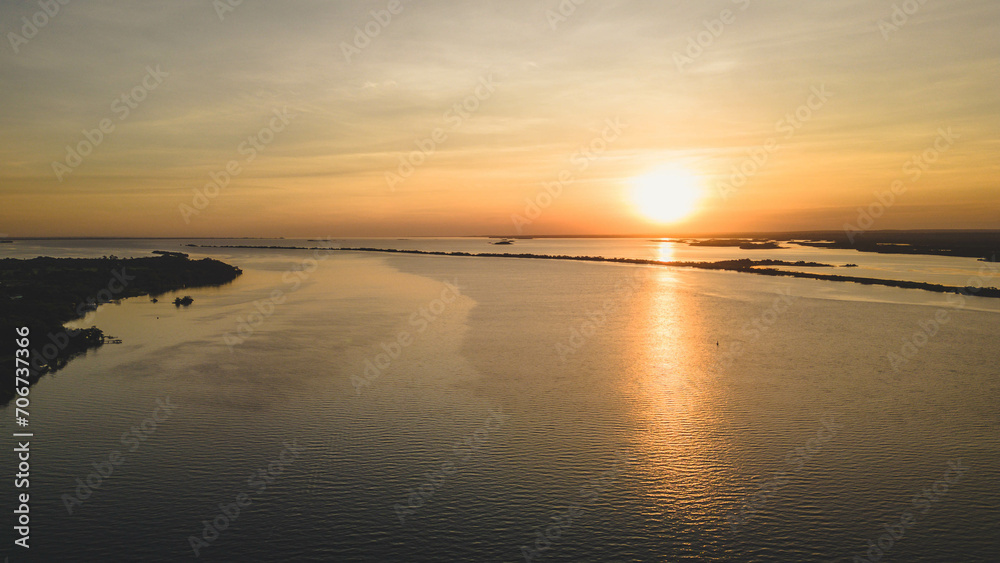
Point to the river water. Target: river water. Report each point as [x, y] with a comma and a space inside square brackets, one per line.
[390, 407]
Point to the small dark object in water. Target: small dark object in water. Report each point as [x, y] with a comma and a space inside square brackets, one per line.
[187, 300]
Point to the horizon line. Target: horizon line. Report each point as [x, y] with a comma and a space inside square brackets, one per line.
[734, 234]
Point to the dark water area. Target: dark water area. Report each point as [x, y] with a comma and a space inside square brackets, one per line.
[360, 407]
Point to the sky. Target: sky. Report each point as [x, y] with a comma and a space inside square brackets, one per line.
[307, 118]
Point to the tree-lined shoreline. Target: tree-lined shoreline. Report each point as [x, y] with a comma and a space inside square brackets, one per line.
[45, 293]
[744, 265]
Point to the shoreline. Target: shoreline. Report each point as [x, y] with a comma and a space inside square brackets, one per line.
[44, 293]
[744, 265]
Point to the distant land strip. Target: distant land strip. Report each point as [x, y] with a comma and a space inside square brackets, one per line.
[744, 265]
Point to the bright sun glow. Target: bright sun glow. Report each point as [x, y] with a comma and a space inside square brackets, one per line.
[667, 195]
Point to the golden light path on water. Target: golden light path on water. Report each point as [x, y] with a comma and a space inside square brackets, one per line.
[679, 409]
[664, 252]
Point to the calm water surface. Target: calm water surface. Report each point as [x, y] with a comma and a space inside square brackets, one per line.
[630, 413]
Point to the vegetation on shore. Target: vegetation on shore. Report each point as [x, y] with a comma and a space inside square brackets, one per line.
[43, 293]
[742, 244]
[984, 245]
[981, 244]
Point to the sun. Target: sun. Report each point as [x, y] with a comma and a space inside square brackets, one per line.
[667, 195]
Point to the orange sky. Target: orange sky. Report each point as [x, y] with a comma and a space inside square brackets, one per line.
[312, 105]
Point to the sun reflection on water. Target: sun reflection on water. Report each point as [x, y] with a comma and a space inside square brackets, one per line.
[664, 251]
[679, 405]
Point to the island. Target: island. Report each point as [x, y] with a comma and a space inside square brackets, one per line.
[44, 293]
[984, 245]
[744, 265]
[980, 244]
[739, 243]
